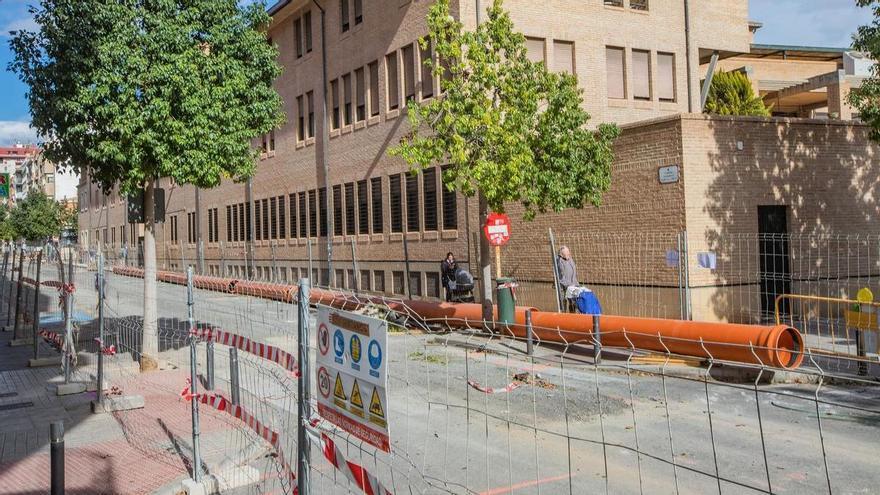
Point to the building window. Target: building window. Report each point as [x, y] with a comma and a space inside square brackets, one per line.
[396, 203]
[638, 4]
[313, 213]
[450, 206]
[337, 210]
[432, 284]
[235, 224]
[376, 193]
[258, 221]
[374, 88]
[358, 12]
[343, 14]
[340, 279]
[614, 3]
[310, 99]
[301, 119]
[273, 214]
[397, 282]
[174, 229]
[563, 56]
[228, 223]
[307, 25]
[666, 77]
[363, 208]
[346, 93]
[409, 72]
[615, 69]
[379, 281]
[412, 203]
[535, 49]
[365, 282]
[298, 37]
[429, 188]
[322, 201]
[334, 94]
[425, 56]
[415, 284]
[191, 228]
[361, 90]
[349, 209]
[641, 74]
[282, 218]
[303, 218]
[291, 199]
[392, 81]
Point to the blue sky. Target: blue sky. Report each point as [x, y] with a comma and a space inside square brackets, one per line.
[790, 22]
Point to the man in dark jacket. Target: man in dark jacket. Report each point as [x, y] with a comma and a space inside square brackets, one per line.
[447, 273]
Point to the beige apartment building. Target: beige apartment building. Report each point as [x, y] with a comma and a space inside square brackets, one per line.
[640, 63]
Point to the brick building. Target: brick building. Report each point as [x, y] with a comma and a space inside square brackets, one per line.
[641, 64]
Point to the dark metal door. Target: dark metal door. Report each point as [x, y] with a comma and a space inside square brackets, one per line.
[775, 265]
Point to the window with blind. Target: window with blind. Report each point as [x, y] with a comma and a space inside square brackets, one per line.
[310, 99]
[616, 72]
[392, 82]
[228, 223]
[313, 213]
[334, 95]
[360, 90]
[258, 221]
[666, 77]
[294, 231]
[415, 284]
[641, 74]
[413, 222]
[379, 281]
[450, 205]
[236, 223]
[535, 49]
[346, 94]
[429, 188]
[298, 37]
[363, 213]
[301, 119]
[638, 4]
[614, 3]
[324, 210]
[373, 68]
[343, 14]
[273, 215]
[303, 216]
[216, 226]
[376, 196]
[174, 229]
[425, 55]
[396, 203]
[307, 27]
[409, 72]
[563, 56]
[358, 11]
[350, 219]
[282, 218]
[337, 210]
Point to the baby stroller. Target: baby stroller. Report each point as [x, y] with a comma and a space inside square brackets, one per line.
[461, 289]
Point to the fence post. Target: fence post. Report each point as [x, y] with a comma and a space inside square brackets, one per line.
[274, 275]
[529, 333]
[309, 246]
[201, 254]
[101, 343]
[687, 282]
[209, 363]
[17, 320]
[681, 294]
[304, 450]
[56, 457]
[5, 266]
[235, 391]
[354, 266]
[11, 276]
[406, 267]
[597, 345]
[193, 376]
[223, 261]
[555, 272]
[68, 316]
[36, 318]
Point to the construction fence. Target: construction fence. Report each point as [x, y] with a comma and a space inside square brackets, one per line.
[467, 411]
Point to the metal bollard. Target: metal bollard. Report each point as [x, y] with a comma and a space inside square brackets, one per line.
[56, 457]
[9, 302]
[304, 452]
[194, 379]
[233, 376]
[36, 318]
[597, 336]
[17, 318]
[529, 333]
[209, 361]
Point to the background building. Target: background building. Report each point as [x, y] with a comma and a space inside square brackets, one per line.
[11, 158]
[719, 186]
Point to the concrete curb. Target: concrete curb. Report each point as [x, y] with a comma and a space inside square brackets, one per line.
[44, 362]
[122, 403]
[21, 342]
[226, 480]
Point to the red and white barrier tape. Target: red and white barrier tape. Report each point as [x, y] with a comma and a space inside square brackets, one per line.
[489, 390]
[356, 473]
[265, 351]
[52, 338]
[107, 351]
[51, 283]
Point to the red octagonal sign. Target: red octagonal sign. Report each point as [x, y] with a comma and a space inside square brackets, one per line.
[497, 229]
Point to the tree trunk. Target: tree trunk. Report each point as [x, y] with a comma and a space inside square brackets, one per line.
[485, 266]
[150, 336]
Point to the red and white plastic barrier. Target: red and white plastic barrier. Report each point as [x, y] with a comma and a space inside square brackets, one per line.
[53, 338]
[265, 351]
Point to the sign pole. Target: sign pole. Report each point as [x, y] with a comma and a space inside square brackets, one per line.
[497, 261]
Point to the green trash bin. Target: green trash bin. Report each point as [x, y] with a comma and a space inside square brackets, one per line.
[506, 300]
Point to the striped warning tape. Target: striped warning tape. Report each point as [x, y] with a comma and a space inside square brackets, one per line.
[265, 351]
[52, 338]
[489, 390]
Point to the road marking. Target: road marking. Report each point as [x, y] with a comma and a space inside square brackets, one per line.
[525, 484]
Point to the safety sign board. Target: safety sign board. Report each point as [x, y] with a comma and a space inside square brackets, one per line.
[352, 378]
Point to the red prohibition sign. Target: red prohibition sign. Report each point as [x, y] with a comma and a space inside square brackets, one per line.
[323, 339]
[497, 229]
[324, 382]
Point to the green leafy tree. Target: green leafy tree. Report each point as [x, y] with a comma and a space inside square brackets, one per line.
[866, 98]
[129, 91]
[6, 231]
[37, 218]
[511, 130]
[731, 93]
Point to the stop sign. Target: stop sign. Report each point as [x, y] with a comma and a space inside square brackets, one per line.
[497, 229]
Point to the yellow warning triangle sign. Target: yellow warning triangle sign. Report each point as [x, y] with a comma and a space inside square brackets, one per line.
[339, 390]
[376, 405]
[356, 396]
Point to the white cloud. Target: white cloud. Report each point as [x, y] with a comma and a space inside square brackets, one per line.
[12, 131]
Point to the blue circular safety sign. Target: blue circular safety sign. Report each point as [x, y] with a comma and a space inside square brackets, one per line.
[338, 343]
[354, 348]
[375, 354]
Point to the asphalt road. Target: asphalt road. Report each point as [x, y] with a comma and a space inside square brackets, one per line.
[582, 429]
